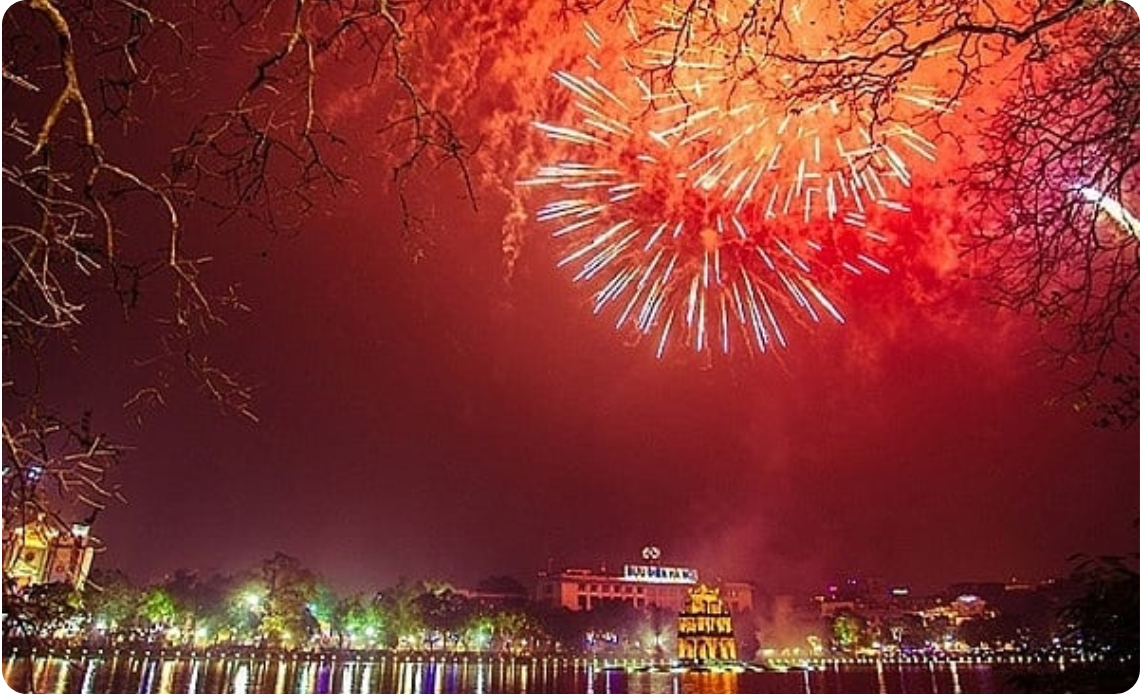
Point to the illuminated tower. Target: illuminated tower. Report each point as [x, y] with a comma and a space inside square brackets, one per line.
[704, 628]
[37, 553]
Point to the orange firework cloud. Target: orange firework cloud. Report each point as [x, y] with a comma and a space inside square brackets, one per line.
[703, 193]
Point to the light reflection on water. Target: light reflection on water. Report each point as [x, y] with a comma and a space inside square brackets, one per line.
[129, 674]
[688, 683]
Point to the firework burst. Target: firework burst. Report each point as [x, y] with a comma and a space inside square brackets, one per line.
[698, 209]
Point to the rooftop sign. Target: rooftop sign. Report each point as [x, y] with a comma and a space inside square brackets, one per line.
[640, 573]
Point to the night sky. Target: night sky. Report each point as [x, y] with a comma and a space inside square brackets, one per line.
[434, 415]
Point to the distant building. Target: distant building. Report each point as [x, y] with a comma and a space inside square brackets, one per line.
[862, 591]
[961, 609]
[990, 591]
[497, 595]
[39, 553]
[830, 608]
[643, 585]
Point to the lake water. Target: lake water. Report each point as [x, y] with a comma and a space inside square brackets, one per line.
[138, 674]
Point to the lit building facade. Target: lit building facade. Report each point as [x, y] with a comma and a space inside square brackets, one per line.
[961, 609]
[642, 585]
[38, 553]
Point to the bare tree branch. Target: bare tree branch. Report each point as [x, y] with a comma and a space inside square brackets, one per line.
[89, 216]
[1058, 180]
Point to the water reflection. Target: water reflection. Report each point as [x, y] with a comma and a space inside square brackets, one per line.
[196, 665]
[119, 674]
[62, 685]
[88, 677]
[241, 680]
[675, 683]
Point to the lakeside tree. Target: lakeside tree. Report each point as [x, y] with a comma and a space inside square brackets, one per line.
[290, 588]
[405, 621]
[848, 632]
[37, 613]
[361, 621]
[160, 610]
[112, 603]
[1105, 617]
[1102, 619]
[445, 615]
[201, 601]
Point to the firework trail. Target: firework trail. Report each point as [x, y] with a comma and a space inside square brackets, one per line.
[700, 210]
[1128, 223]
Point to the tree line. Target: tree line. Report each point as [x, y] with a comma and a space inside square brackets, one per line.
[280, 604]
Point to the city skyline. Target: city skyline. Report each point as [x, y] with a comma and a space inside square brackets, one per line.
[840, 586]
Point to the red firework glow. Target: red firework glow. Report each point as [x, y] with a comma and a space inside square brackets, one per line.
[699, 203]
